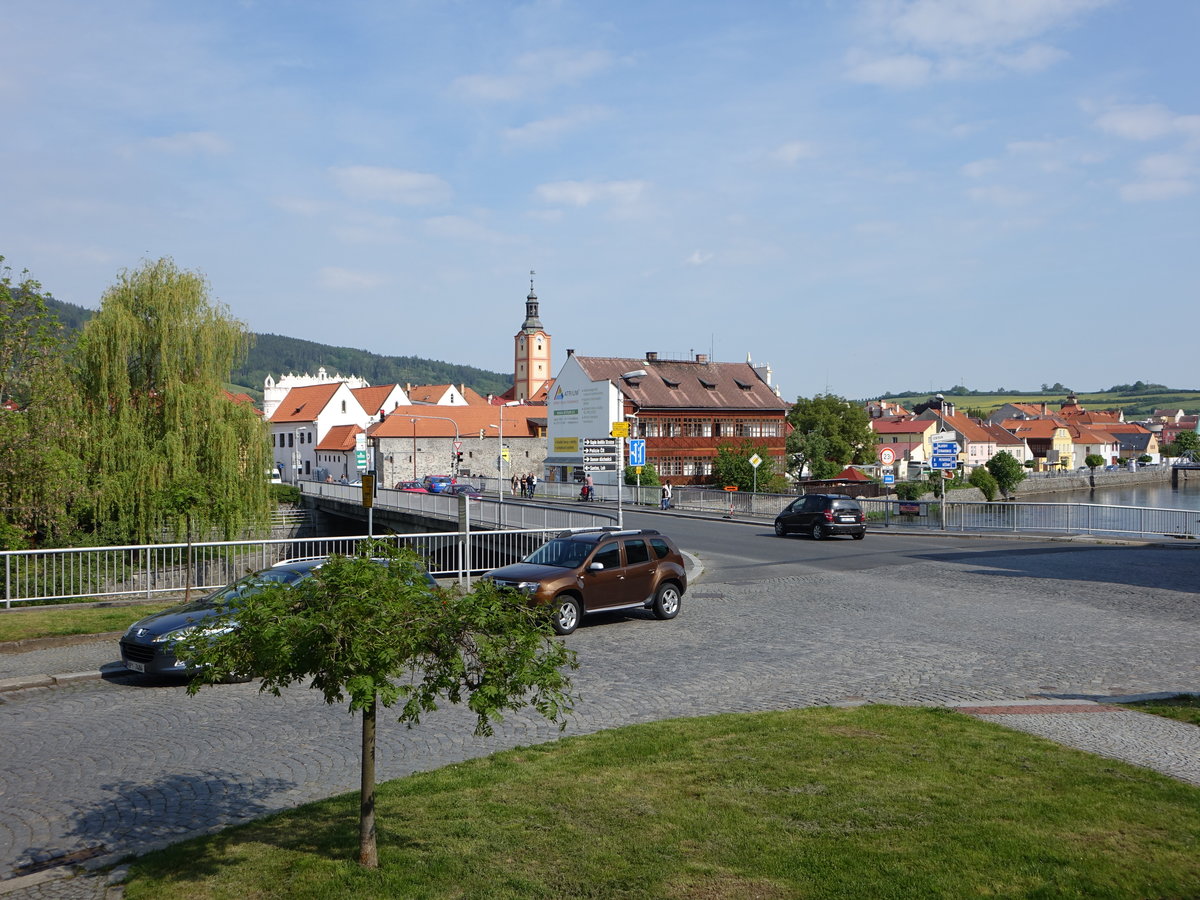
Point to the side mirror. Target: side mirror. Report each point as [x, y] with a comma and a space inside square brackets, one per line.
[596, 567]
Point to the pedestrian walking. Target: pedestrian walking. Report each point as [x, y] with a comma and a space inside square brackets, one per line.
[666, 495]
[589, 485]
[532, 484]
[514, 484]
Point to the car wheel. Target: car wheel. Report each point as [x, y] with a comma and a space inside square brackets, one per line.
[666, 601]
[567, 614]
[780, 531]
[818, 533]
[859, 535]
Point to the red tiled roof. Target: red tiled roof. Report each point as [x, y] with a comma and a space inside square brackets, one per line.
[431, 421]
[372, 398]
[304, 404]
[670, 384]
[339, 439]
[902, 425]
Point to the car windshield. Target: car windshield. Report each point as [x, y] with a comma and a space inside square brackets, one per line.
[252, 584]
[561, 553]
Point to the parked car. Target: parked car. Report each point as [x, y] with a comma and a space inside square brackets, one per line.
[436, 484]
[148, 646]
[822, 515]
[469, 489]
[583, 572]
[415, 486]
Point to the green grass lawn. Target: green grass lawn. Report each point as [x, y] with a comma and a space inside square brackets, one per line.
[23, 625]
[868, 802]
[1183, 707]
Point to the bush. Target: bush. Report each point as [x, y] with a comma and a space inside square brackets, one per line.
[285, 493]
[982, 479]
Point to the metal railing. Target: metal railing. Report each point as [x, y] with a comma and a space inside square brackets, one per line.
[1044, 518]
[484, 511]
[145, 572]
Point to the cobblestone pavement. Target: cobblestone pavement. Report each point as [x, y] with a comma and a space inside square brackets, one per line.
[112, 767]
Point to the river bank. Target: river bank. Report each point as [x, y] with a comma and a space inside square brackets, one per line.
[1144, 487]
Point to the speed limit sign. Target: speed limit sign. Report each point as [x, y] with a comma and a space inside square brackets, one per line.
[887, 456]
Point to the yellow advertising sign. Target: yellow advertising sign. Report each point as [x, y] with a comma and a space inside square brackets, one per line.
[620, 429]
[566, 445]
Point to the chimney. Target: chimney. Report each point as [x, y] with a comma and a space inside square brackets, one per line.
[651, 356]
[701, 357]
[570, 352]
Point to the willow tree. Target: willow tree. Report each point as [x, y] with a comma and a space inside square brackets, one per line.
[152, 368]
[40, 468]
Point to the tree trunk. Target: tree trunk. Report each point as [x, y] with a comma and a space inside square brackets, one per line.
[368, 851]
[187, 588]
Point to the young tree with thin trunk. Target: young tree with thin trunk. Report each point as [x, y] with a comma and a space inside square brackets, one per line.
[371, 630]
[153, 364]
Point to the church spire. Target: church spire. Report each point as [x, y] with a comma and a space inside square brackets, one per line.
[532, 322]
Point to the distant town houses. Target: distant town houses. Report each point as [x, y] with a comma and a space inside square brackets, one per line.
[684, 409]
[1042, 436]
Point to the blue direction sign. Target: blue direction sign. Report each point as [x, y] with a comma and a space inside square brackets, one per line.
[637, 452]
[943, 462]
[889, 477]
[945, 448]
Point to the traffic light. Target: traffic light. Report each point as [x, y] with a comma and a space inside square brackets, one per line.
[458, 457]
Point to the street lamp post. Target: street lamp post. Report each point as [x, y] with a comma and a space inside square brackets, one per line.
[296, 454]
[500, 457]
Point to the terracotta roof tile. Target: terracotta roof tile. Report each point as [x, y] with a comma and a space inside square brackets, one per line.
[670, 384]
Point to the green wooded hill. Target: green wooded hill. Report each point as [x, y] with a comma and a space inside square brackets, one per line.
[278, 355]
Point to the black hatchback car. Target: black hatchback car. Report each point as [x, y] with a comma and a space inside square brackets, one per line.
[148, 646]
[821, 515]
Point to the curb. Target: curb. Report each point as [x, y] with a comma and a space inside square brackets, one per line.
[26, 682]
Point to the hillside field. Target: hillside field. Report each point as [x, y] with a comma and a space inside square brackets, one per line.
[1135, 406]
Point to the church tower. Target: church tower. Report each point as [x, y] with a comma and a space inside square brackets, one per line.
[531, 360]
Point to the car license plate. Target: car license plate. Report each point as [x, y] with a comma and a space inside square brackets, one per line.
[135, 666]
[847, 519]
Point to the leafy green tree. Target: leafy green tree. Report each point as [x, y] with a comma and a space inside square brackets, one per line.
[41, 473]
[1186, 442]
[982, 479]
[1007, 472]
[649, 476]
[731, 466]
[377, 635]
[152, 365]
[829, 433]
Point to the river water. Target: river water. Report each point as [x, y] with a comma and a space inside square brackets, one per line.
[1160, 495]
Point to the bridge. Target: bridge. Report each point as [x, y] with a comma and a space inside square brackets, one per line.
[403, 512]
[1186, 468]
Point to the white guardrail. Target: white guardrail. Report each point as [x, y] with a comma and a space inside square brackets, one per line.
[145, 572]
[488, 510]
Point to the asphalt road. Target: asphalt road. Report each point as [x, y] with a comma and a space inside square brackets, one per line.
[117, 766]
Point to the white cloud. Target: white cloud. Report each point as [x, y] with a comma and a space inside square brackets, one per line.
[392, 185]
[1166, 166]
[189, 142]
[1147, 191]
[794, 151]
[298, 206]
[698, 258]
[973, 23]
[544, 131]
[913, 42]
[335, 279]
[997, 195]
[460, 228]
[534, 73]
[979, 168]
[905, 71]
[584, 193]
[1138, 123]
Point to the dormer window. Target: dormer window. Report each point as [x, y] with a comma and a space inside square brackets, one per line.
[711, 385]
[669, 383]
[742, 384]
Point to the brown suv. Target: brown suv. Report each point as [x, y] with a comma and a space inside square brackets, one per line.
[583, 572]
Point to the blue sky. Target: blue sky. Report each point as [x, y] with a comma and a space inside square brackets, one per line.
[869, 196]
